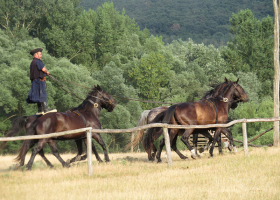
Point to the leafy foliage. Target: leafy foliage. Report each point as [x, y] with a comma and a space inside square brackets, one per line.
[106, 47]
[251, 50]
[203, 21]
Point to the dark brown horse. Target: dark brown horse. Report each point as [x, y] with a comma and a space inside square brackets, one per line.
[153, 117]
[148, 116]
[87, 114]
[201, 113]
[21, 124]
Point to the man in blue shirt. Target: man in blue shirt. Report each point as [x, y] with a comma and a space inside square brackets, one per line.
[38, 93]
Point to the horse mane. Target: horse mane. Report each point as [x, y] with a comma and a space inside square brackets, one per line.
[216, 87]
[85, 104]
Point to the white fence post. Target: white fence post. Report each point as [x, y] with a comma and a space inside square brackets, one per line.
[167, 146]
[245, 143]
[89, 152]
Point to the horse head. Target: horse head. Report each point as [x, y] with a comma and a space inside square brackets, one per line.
[106, 100]
[239, 92]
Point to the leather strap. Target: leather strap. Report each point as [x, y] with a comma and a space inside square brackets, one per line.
[79, 114]
[213, 105]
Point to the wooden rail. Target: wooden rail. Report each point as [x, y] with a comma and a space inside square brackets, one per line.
[165, 127]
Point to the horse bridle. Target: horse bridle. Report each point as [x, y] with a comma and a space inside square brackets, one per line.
[102, 99]
[236, 100]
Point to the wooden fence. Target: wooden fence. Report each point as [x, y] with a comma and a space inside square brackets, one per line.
[165, 127]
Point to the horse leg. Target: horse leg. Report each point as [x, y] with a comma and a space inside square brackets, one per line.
[156, 134]
[98, 138]
[210, 139]
[185, 140]
[227, 132]
[195, 139]
[53, 147]
[220, 144]
[216, 137]
[80, 152]
[172, 134]
[174, 147]
[41, 153]
[36, 149]
[154, 151]
[161, 145]
[151, 156]
[94, 151]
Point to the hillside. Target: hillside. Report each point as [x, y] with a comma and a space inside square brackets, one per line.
[204, 21]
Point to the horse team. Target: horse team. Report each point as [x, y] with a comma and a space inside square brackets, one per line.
[212, 108]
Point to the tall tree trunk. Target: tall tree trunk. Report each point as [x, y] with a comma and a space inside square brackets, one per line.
[276, 74]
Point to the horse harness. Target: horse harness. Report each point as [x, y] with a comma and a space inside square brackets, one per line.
[214, 106]
[79, 114]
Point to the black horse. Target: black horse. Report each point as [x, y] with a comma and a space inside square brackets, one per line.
[85, 115]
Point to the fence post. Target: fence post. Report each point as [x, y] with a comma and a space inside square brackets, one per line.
[167, 146]
[132, 138]
[89, 152]
[245, 143]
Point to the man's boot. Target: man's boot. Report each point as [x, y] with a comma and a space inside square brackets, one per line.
[40, 108]
[46, 109]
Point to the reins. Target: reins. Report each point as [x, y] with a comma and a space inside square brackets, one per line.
[128, 98]
[70, 92]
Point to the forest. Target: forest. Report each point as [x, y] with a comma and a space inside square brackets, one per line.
[105, 46]
[203, 21]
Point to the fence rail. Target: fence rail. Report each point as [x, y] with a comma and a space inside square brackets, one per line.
[165, 127]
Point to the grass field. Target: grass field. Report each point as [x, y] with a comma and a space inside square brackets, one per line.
[131, 176]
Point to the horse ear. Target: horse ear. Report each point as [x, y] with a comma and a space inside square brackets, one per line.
[98, 87]
[237, 80]
[226, 80]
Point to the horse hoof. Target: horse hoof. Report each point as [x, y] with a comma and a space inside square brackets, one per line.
[153, 155]
[201, 150]
[159, 161]
[193, 157]
[66, 165]
[78, 158]
[17, 166]
[151, 159]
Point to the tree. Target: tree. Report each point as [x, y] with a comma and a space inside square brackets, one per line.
[251, 48]
[150, 74]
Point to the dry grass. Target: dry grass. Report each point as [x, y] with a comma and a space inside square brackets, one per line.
[131, 176]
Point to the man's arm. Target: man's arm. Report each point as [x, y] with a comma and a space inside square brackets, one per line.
[45, 70]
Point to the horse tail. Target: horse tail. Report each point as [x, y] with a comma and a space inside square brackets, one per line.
[138, 135]
[18, 125]
[26, 144]
[169, 114]
[153, 133]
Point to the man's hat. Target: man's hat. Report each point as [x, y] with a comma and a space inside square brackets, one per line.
[36, 51]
